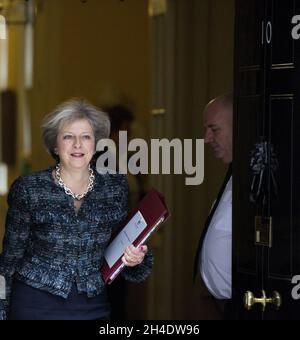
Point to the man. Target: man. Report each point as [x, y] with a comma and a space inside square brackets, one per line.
[214, 254]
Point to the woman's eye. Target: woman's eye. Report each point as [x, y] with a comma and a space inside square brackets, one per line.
[67, 137]
[87, 137]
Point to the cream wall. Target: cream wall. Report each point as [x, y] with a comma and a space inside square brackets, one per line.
[98, 50]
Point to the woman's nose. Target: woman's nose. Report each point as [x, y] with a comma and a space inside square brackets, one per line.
[77, 142]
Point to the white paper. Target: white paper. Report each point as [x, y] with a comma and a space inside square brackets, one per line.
[125, 238]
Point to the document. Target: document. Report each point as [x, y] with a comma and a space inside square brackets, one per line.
[125, 238]
[140, 224]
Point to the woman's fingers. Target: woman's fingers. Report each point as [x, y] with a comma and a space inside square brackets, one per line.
[134, 256]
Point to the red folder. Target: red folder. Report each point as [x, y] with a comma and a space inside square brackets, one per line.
[155, 212]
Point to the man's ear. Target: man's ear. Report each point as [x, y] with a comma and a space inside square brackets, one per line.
[2, 288]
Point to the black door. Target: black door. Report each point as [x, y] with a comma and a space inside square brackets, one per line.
[266, 181]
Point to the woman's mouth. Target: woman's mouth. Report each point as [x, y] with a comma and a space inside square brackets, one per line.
[77, 155]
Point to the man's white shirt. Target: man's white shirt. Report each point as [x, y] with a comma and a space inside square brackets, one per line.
[216, 254]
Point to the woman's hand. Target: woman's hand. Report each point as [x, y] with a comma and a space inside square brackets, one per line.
[134, 256]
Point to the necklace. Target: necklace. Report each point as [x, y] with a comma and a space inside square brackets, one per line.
[68, 191]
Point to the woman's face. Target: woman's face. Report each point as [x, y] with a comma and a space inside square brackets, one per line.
[76, 144]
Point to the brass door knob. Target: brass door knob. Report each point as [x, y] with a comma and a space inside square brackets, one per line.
[250, 300]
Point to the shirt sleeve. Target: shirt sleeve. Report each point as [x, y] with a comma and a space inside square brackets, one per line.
[17, 231]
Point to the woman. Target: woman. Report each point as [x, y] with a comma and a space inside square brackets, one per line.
[59, 223]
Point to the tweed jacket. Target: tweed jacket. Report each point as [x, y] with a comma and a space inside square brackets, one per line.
[48, 245]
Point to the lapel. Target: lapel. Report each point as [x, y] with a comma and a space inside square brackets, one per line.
[208, 220]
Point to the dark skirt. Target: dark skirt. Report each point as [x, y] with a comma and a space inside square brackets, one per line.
[28, 303]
